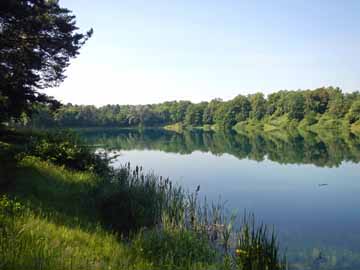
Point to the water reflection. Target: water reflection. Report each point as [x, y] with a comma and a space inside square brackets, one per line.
[305, 184]
[324, 150]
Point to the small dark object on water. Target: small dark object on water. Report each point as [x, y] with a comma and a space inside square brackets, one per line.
[319, 261]
[322, 185]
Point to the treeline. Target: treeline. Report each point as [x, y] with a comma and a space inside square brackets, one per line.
[307, 106]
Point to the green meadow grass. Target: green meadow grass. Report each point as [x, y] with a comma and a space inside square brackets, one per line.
[49, 221]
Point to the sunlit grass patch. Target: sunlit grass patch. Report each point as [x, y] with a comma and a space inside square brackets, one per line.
[30, 241]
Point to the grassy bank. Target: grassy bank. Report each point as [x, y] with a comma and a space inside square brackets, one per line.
[49, 222]
[313, 123]
[62, 208]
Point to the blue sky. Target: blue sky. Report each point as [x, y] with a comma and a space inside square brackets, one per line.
[152, 51]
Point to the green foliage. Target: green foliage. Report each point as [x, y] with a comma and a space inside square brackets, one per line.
[258, 106]
[317, 100]
[354, 112]
[65, 148]
[42, 116]
[328, 122]
[178, 110]
[37, 41]
[233, 111]
[242, 108]
[209, 111]
[295, 106]
[9, 208]
[281, 122]
[194, 114]
[275, 103]
[336, 106]
[225, 115]
[254, 109]
[310, 119]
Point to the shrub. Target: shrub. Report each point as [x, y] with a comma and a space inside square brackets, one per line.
[66, 149]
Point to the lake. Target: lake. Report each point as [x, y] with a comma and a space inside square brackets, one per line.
[306, 185]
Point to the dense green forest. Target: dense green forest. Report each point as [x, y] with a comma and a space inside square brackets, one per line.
[325, 107]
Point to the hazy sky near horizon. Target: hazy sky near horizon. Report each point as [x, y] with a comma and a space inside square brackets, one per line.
[152, 51]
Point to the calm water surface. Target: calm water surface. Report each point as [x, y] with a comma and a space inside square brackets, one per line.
[307, 185]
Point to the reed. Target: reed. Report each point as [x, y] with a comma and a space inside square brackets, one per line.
[167, 211]
[56, 217]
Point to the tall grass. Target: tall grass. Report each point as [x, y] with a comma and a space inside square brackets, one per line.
[256, 247]
[170, 213]
[56, 217]
[33, 241]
